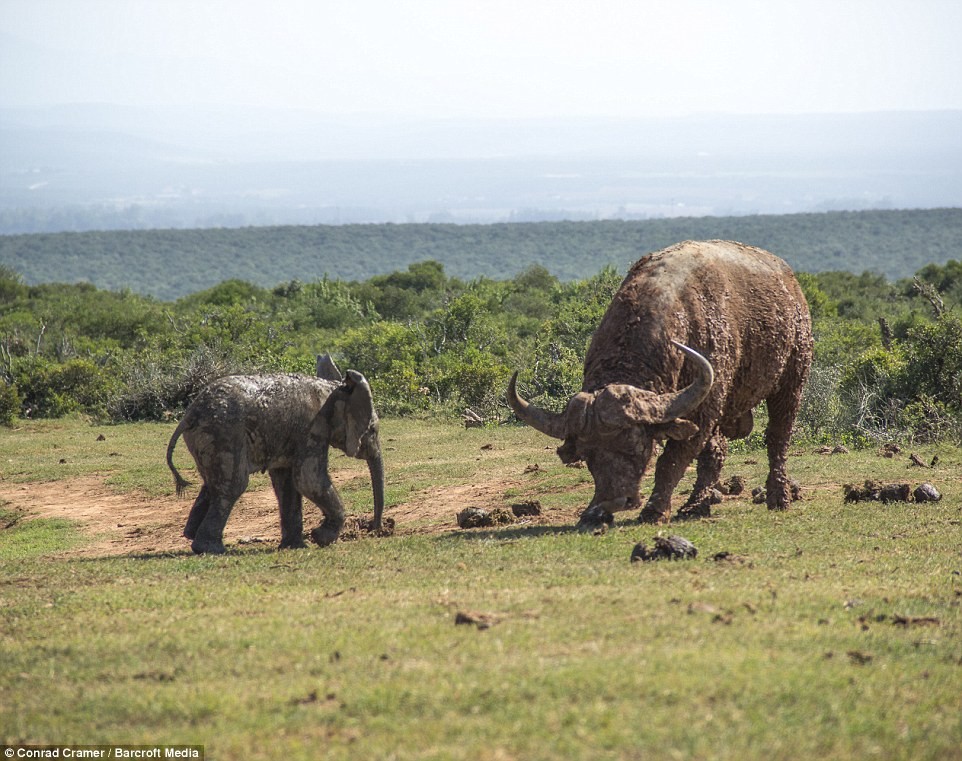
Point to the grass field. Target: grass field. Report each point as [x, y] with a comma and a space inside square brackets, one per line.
[831, 631]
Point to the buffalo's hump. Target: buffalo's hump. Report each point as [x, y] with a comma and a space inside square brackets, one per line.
[739, 306]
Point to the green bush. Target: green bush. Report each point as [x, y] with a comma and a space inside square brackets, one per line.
[10, 403]
[433, 344]
[50, 389]
[933, 363]
[471, 378]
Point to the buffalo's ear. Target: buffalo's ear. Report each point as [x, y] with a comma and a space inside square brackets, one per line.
[568, 452]
[679, 430]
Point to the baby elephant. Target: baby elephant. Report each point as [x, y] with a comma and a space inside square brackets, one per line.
[283, 424]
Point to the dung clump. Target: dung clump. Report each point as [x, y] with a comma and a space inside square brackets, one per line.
[926, 493]
[502, 516]
[665, 548]
[874, 491]
[358, 526]
[526, 509]
[476, 517]
[733, 486]
[890, 450]
[895, 493]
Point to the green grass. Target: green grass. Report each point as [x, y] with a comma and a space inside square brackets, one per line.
[836, 632]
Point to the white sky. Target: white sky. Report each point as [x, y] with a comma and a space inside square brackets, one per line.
[504, 58]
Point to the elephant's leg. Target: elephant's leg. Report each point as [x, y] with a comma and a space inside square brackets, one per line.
[669, 469]
[223, 494]
[783, 406]
[313, 481]
[290, 504]
[197, 512]
[710, 463]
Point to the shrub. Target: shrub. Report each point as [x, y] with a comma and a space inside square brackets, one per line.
[471, 378]
[50, 389]
[821, 415]
[933, 363]
[10, 403]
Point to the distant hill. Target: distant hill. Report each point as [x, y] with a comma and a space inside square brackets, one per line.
[78, 167]
[169, 264]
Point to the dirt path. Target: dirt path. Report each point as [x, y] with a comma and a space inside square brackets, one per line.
[133, 524]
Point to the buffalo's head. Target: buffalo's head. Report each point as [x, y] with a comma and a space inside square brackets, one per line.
[615, 429]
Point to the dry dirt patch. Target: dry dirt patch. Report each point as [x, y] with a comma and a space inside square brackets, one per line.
[133, 524]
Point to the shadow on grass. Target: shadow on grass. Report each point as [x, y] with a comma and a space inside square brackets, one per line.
[506, 533]
[233, 551]
[527, 531]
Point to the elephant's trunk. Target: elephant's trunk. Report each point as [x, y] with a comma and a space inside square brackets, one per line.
[375, 464]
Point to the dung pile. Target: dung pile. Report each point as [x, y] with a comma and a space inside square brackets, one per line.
[476, 517]
[873, 491]
[666, 548]
[358, 526]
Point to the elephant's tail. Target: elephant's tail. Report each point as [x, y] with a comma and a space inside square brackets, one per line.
[180, 483]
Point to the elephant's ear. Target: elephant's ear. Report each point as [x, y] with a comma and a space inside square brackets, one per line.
[326, 369]
[360, 415]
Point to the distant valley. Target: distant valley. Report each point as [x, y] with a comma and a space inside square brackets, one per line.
[75, 168]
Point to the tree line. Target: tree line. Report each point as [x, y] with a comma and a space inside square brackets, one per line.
[888, 360]
[171, 264]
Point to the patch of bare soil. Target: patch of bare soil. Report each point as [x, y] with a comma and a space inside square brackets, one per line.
[131, 523]
[134, 524]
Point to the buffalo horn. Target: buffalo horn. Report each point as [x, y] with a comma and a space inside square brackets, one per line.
[681, 403]
[549, 423]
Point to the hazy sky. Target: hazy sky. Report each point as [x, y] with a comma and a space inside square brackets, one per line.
[487, 57]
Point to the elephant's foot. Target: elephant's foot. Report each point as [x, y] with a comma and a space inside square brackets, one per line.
[324, 535]
[208, 548]
[595, 519]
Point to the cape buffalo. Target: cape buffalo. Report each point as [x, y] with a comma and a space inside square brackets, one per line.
[696, 336]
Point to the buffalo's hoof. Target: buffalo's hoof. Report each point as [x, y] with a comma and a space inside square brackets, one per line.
[693, 512]
[299, 544]
[323, 536]
[653, 516]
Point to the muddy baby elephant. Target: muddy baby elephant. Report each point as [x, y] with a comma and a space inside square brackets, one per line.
[284, 424]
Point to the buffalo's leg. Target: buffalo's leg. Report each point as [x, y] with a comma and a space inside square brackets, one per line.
[313, 481]
[197, 512]
[290, 505]
[669, 470]
[783, 406]
[710, 463]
